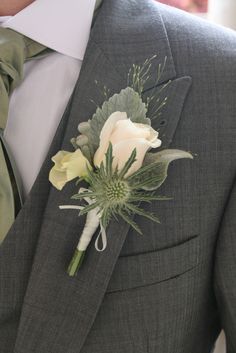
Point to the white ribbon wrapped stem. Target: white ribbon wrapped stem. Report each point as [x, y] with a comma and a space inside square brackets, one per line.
[91, 225]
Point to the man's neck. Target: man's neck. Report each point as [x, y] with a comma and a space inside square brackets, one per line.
[11, 7]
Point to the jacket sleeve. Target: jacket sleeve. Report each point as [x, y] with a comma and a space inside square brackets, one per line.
[225, 272]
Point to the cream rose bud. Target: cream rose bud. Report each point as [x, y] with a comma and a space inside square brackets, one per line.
[68, 165]
[125, 136]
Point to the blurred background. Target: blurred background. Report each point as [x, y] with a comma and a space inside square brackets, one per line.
[222, 12]
[189, 5]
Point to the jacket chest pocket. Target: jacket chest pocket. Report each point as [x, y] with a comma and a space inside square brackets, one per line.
[152, 267]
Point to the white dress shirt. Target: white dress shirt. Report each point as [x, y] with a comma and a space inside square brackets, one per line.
[37, 105]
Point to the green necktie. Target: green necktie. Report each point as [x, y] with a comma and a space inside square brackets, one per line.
[15, 49]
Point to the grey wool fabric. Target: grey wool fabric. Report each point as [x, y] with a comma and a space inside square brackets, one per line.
[173, 289]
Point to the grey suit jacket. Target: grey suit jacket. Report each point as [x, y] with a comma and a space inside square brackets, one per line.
[174, 288]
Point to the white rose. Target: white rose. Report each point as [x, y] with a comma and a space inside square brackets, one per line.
[125, 136]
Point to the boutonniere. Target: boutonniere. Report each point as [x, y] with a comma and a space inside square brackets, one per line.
[117, 155]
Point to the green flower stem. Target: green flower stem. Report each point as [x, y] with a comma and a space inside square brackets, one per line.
[76, 262]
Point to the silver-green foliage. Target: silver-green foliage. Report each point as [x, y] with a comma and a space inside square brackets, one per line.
[127, 101]
[155, 167]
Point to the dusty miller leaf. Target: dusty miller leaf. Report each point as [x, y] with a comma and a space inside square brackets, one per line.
[127, 101]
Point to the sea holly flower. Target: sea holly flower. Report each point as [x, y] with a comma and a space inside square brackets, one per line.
[112, 194]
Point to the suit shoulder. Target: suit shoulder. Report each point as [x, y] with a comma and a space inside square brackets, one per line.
[194, 34]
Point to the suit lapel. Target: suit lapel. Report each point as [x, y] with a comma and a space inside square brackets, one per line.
[58, 311]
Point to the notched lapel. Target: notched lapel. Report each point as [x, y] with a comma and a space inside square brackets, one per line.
[167, 121]
[58, 311]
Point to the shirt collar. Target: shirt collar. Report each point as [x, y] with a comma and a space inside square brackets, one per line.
[4, 19]
[58, 24]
